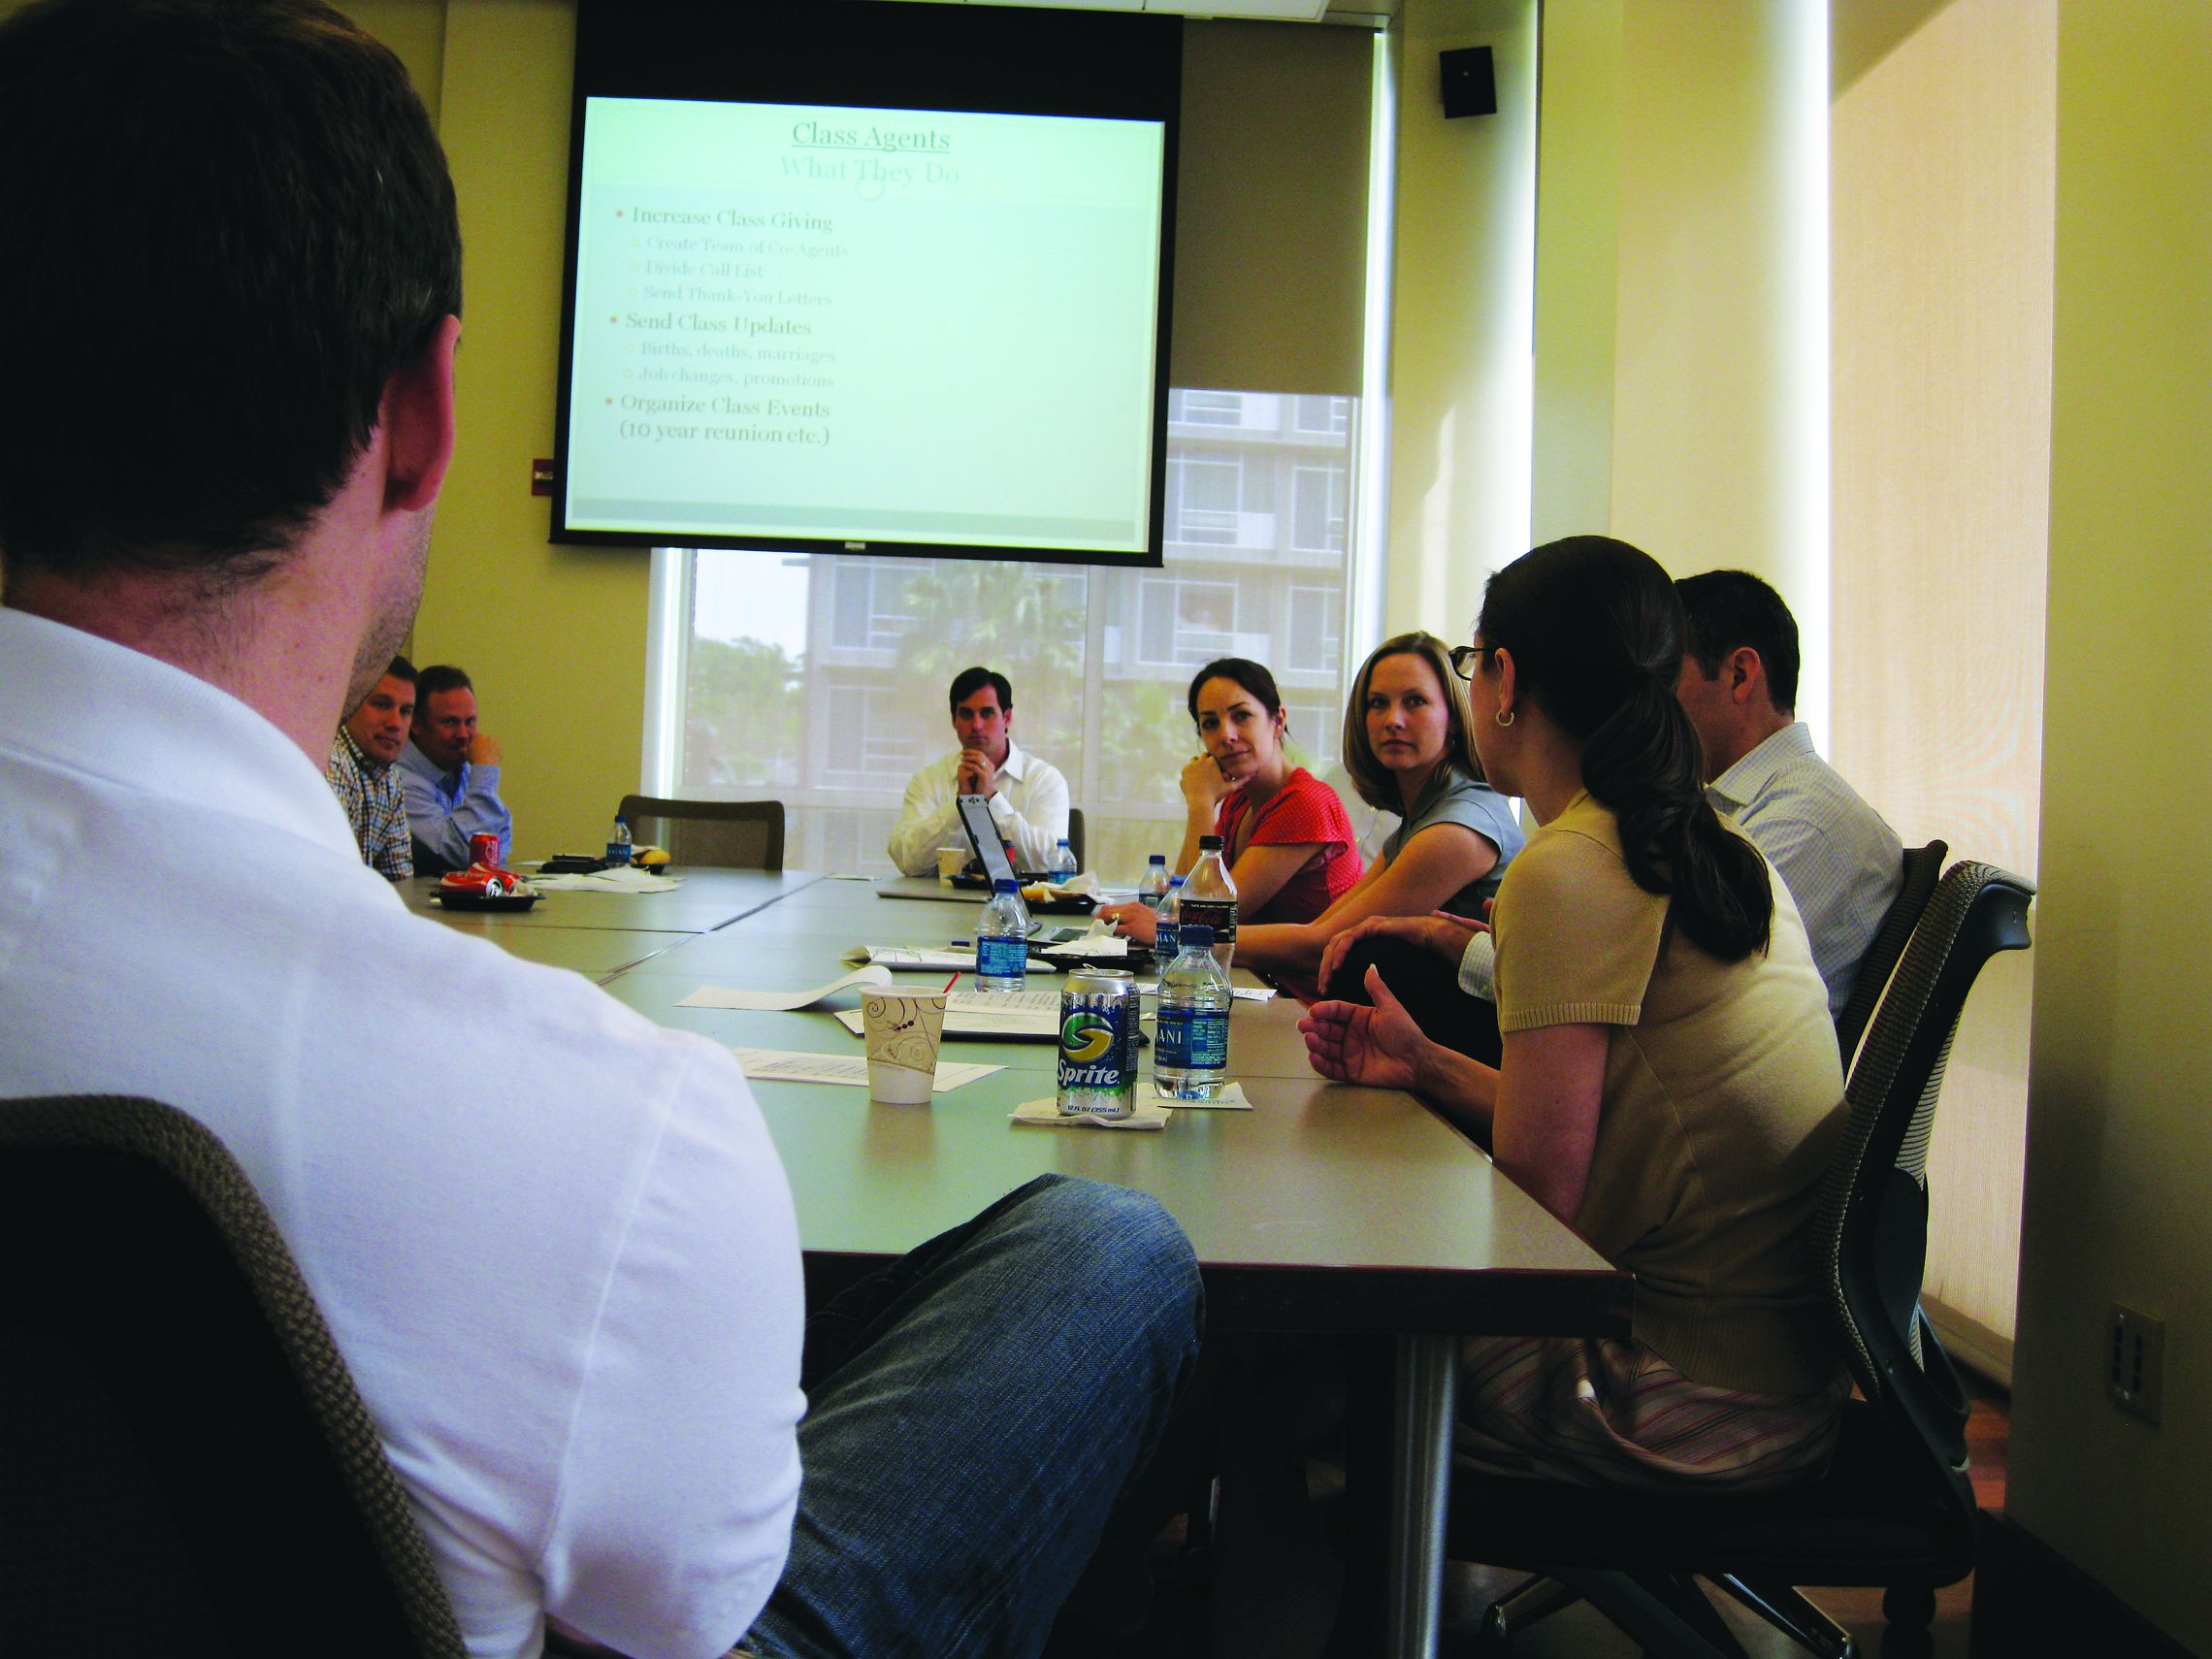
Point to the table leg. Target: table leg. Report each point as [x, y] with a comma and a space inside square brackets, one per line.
[1423, 1392]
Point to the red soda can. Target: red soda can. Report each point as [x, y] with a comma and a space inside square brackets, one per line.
[484, 850]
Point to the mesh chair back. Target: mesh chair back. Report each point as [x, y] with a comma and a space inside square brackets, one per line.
[1872, 1226]
[730, 834]
[1075, 838]
[184, 1465]
[1922, 866]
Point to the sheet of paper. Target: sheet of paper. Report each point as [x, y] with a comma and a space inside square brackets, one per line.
[783, 1065]
[781, 1001]
[608, 881]
[988, 1014]
[1046, 1115]
[1242, 992]
[944, 960]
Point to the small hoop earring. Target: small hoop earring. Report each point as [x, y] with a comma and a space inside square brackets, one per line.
[1503, 717]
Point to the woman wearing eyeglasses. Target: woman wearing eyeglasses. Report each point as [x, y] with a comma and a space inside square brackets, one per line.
[1668, 1085]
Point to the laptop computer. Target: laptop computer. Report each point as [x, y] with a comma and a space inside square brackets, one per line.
[989, 850]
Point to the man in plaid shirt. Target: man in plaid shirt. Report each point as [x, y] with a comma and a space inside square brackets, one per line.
[360, 771]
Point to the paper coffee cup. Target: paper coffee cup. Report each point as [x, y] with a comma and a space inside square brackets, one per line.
[951, 861]
[902, 1030]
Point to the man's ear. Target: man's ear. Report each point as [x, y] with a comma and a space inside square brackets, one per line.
[416, 415]
[1745, 673]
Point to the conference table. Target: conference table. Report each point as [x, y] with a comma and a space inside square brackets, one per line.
[1326, 1208]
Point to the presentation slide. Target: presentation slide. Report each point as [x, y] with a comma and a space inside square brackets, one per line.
[866, 325]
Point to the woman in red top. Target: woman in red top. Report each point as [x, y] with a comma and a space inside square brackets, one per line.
[1284, 833]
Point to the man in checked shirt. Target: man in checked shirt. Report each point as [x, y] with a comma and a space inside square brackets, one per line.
[360, 771]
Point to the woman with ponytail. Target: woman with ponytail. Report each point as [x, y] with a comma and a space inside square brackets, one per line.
[1668, 1083]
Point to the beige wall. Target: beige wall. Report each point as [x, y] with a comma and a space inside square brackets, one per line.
[1677, 397]
[554, 637]
[1463, 253]
[2118, 1184]
[1941, 166]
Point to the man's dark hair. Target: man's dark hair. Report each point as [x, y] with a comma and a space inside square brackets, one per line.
[1728, 608]
[440, 677]
[401, 669]
[226, 224]
[969, 681]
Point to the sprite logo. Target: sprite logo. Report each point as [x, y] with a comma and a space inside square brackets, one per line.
[1085, 1037]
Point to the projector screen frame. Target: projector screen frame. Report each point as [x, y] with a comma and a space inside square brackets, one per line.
[938, 57]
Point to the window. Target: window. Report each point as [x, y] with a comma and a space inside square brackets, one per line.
[1318, 495]
[1316, 633]
[1330, 416]
[824, 679]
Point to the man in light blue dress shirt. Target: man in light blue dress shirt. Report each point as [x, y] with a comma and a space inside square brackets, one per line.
[450, 772]
[1841, 863]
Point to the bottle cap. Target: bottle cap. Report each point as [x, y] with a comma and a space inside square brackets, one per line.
[1158, 859]
[1176, 880]
[1197, 937]
[1004, 884]
[1209, 843]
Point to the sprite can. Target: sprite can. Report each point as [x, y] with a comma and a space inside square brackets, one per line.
[1098, 1044]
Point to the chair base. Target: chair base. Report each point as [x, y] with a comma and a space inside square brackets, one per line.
[1668, 1614]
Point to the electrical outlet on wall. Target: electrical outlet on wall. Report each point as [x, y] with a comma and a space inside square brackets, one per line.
[2136, 1362]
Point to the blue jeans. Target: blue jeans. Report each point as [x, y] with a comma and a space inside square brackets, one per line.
[974, 1411]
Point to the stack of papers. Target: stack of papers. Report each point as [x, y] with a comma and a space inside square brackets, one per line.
[989, 1014]
[783, 1065]
[781, 1001]
[916, 957]
[608, 881]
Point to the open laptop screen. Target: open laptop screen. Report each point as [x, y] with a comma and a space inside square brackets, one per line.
[983, 837]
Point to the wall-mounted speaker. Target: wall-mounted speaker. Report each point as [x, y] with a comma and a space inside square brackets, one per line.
[1470, 82]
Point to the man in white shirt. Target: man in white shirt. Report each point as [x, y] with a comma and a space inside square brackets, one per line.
[559, 1259]
[1029, 797]
[1841, 863]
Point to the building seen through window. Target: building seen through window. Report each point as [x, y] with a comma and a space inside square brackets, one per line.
[820, 681]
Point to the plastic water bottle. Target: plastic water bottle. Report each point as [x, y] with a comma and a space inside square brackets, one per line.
[1210, 897]
[1154, 888]
[1062, 868]
[1170, 925]
[618, 844]
[1003, 940]
[1191, 1050]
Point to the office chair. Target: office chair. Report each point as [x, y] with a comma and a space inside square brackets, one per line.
[1896, 1508]
[732, 835]
[1923, 865]
[1075, 837]
[184, 1466]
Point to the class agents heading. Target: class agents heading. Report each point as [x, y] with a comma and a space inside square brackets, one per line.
[812, 134]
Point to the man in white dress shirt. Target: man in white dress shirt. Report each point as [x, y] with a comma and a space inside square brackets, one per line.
[558, 1254]
[1842, 864]
[1029, 797]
